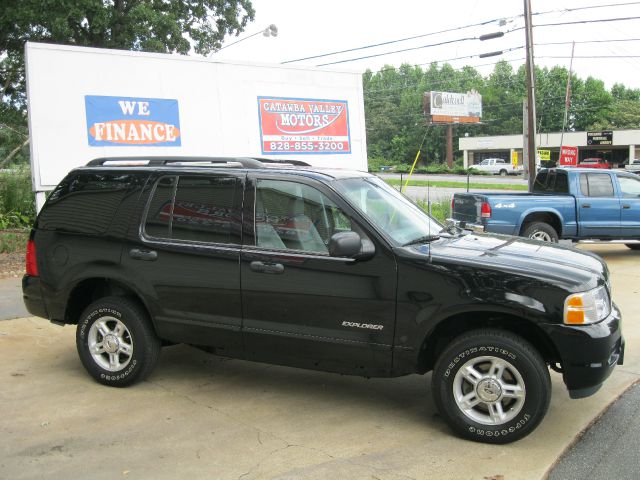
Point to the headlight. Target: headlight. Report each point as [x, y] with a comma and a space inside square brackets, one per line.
[587, 307]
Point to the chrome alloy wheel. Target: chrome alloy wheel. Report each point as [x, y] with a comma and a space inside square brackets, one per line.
[489, 390]
[110, 344]
[540, 235]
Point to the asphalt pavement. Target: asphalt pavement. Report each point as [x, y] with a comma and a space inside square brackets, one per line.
[11, 305]
[609, 449]
[444, 194]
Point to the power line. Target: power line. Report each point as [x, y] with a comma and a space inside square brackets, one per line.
[400, 40]
[486, 22]
[600, 20]
[590, 41]
[575, 9]
[458, 40]
[588, 56]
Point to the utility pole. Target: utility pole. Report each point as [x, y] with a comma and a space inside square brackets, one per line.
[450, 145]
[567, 100]
[530, 147]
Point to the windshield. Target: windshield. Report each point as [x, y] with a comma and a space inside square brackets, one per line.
[390, 211]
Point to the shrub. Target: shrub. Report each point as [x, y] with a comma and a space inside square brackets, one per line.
[12, 242]
[17, 202]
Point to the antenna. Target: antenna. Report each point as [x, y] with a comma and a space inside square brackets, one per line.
[429, 212]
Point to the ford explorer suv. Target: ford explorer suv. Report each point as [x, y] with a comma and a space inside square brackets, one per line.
[323, 269]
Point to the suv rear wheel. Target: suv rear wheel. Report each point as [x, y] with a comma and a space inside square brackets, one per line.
[116, 342]
[491, 386]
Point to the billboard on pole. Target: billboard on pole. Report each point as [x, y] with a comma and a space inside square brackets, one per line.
[450, 107]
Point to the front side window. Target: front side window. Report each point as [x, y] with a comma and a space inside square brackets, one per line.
[295, 216]
[629, 186]
[195, 209]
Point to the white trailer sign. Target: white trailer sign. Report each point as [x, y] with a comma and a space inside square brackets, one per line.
[86, 103]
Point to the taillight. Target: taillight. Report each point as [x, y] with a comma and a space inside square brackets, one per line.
[31, 264]
[485, 210]
[452, 204]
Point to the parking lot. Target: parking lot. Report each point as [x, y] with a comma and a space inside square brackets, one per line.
[200, 416]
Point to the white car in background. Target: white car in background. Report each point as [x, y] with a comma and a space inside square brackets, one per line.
[497, 166]
[633, 166]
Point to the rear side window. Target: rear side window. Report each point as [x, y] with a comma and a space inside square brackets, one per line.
[85, 203]
[195, 208]
[596, 185]
[552, 182]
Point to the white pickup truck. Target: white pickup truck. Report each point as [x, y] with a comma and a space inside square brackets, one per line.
[497, 166]
[633, 166]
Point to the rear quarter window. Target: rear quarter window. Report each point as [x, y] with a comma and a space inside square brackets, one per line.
[85, 203]
[200, 209]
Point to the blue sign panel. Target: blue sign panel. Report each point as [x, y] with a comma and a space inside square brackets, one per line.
[132, 121]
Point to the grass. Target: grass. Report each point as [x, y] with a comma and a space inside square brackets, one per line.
[439, 210]
[449, 184]
[13, 241]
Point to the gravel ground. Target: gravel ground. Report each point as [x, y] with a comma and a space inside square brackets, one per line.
[11, 264]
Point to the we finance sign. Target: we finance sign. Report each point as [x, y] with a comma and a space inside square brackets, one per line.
[304, 126]
[132, 121]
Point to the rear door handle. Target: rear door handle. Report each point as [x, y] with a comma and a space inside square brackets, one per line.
[148, 255]
[586, 205]
[262, 267]
[626, 207]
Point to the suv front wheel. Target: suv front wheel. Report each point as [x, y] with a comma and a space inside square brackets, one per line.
[491, 386]
[116, 342]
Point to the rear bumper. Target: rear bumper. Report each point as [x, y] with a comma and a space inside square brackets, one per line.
[475, 227]
[589, 353]
[32, 296]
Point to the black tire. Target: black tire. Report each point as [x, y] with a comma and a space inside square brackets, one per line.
[503, 173]
[541, 231]
[633, 246]
[116, 342]
[524, 380]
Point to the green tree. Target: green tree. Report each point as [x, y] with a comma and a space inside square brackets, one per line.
[175, 26]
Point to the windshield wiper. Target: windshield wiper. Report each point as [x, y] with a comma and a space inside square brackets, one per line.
[425, 239]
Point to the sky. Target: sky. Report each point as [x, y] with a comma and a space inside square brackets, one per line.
[308, 28]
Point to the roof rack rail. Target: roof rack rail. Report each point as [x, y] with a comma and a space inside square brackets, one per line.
[297, 163]
[243, 162]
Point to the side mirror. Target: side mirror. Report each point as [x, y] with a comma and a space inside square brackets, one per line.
[345, 244]
[350, 245]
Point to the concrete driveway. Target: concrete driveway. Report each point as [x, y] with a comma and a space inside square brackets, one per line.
[200, 416]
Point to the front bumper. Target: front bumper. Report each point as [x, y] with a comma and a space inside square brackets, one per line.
[588, 353]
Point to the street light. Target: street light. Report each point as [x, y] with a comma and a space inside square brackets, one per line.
[270, 31]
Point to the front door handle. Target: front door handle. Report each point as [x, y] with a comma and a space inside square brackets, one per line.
[626, 207]
[148, 255]
[586, 205]
[262, 267]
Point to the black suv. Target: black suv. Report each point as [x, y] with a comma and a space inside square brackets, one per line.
[324, 269]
